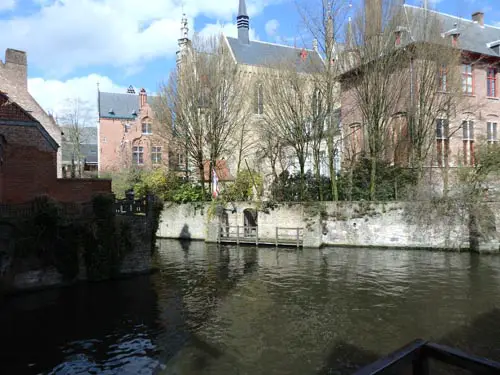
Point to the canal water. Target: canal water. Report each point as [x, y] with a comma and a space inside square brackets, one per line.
[230, 310]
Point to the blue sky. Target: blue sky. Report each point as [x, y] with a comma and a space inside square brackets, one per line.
[74, 44]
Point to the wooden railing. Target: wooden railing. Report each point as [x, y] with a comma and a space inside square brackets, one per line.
[250, 234]
[131, 207]
[416, 355]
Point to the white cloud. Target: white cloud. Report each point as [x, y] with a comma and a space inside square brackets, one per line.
[53, 94]
[7, 5]
[63, 36]
[272, 27]
[228, 29]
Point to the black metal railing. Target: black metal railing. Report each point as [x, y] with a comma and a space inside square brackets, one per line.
[131, 207]
[416, 356]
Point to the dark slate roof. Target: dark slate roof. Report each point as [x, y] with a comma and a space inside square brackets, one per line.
[123, 105]
[88, 152]
[88, 134]
[264, 54]
[473, 37]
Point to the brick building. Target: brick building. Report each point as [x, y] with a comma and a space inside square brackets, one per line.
[477, 112]
[14, 82]
[28, 161]
[128, 135]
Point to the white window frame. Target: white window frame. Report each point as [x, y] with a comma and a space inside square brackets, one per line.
[138, 155]
[156, 155]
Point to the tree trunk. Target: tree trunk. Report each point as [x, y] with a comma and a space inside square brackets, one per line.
[302, 178]
[373, 176]
[317, 173]
[331, 166]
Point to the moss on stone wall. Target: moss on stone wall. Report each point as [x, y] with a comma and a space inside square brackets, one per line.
[49, 238]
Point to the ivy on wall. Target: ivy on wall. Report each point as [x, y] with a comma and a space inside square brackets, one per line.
[51, 238]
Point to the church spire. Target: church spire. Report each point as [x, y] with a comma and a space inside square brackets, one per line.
[183, 41]
[243, 23]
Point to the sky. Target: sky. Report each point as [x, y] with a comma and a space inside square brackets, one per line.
[74, 45]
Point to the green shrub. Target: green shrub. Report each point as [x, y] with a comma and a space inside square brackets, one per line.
[242, 189]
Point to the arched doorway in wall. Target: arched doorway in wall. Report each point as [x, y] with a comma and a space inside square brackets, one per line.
[250, 222]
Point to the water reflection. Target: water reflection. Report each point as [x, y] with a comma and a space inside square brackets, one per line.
[229, 310]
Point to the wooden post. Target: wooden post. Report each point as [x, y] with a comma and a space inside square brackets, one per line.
[237, 234]
[276, 236]
[257, 235]
[297, 237]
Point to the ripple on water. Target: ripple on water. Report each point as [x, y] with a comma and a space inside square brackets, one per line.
[259, 311]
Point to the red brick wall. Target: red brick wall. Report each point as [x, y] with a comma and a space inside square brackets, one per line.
[79, 190]
[30, 170]
[27, 173]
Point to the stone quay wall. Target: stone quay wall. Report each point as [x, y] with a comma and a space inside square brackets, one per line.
[405, 225]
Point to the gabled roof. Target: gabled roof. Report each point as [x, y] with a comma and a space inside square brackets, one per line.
[473, 36]
[122, 105]
[265, 54]
[12, 114]
[88, 134]
[87, 152]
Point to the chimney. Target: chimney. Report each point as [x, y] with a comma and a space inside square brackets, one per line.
[478, 17]
[142, 98]
[373, 18]
[16, 65]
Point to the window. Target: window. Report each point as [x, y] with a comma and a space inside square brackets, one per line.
[468, 140]
[146, 128]
[126, 127]
[443, 142]
[491, 82]
[442, 78]
[181, 161]
[316, 103]
[156, 154]
[491, 131]
[467, 79]
[138, 155]
[259, 100]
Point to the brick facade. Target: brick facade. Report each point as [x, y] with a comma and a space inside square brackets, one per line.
[14, 82]
[29, 162]
[119, 135]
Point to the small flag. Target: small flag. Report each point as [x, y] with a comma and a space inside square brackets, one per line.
[215, 184]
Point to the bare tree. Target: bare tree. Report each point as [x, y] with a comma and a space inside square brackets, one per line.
[206, 99]
[290, 113]
[319, 18]
[75, 117]
[377, 82]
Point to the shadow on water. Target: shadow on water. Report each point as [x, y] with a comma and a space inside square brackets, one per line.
[479, 338]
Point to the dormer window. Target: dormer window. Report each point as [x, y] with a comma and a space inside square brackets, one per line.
[495, 46]
[111, 112]
[146, 128]
[134, 113]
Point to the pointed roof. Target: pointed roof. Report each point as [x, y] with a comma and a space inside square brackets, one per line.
[266, 54]
[242, 9]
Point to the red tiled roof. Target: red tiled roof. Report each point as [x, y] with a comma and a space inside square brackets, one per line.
[221, 169]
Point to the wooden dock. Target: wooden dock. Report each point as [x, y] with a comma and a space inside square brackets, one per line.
[250, 235]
